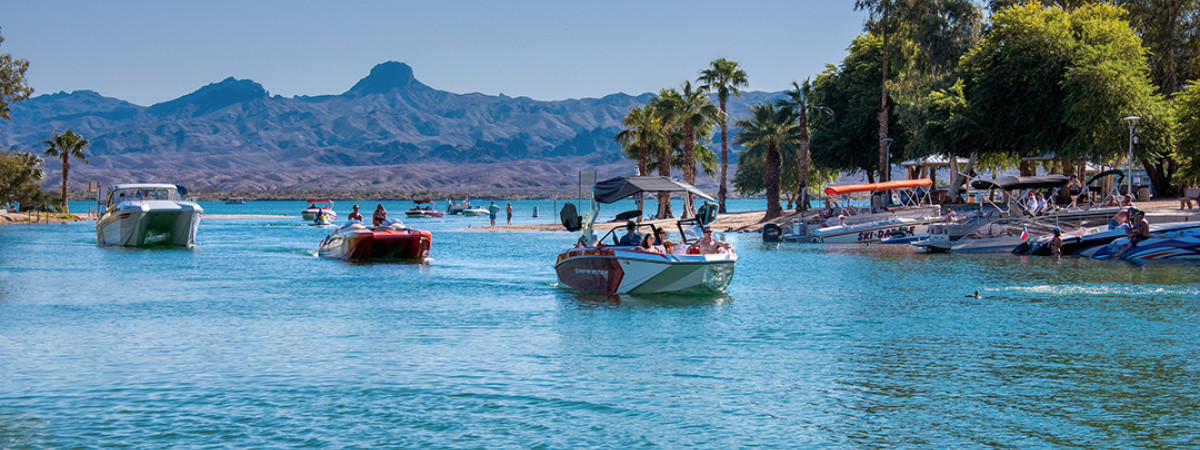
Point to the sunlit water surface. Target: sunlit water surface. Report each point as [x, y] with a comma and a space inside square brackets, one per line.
[249, 340]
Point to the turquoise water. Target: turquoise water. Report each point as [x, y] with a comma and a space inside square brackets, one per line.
[251, 341]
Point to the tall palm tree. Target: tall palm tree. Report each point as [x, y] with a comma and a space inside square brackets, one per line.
[800, 100]
[665, 112]
[693, 112]
[882, 21]
[642, 131]
[64, 147]
[770, 130]
[725, 77]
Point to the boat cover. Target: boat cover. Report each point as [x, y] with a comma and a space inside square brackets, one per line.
[1014, 183]
[877, 187]
[613, 189]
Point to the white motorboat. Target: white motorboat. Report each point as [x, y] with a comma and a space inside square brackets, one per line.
[147, 214]
[997, 236]
[606, 266]
[843, 222]
[319, 207]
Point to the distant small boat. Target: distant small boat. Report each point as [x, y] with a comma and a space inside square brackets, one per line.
[147, 214]
[322, 206]
[424, 208]
[235, 201]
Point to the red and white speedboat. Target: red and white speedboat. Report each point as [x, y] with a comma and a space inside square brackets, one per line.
[318, 207]
[604, 266]
[390, 241]
[428, 210]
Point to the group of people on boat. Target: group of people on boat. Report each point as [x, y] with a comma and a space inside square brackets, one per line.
[658, 242]
[377, 219]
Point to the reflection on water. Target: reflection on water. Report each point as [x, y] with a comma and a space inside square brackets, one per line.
[245, 339]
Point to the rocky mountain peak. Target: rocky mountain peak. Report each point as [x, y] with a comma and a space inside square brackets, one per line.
[385, 77]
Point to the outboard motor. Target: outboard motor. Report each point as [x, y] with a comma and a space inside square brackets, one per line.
[772, 233]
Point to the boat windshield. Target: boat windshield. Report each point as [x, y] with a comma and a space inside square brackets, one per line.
[613, 237]
[140, 194]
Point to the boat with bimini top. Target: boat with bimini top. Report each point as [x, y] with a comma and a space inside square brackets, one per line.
[424, 208]
[611, 266]
[147, 214]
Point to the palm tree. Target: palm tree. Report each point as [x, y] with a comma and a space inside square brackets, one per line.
[726, 78]
[641, 130]
[882, 12]
[692, 111]
[770, 130]
[66, 146]
[800, 100]
[665, 113]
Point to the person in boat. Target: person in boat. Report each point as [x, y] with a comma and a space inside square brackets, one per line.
[379, 217]
[355, 215]
[842, 220]
[660, 239]
[1074, 188]
[647, 244]
[1139, 230]
[631, 237]
[707, 245]
[1119, 220]
[508, 210]
[1127, 200]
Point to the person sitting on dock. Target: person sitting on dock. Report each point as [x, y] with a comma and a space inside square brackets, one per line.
[631, 237]
[707, 245]
[379, 217]
[355, 215]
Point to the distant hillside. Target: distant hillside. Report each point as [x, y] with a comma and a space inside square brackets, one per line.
[388, 131]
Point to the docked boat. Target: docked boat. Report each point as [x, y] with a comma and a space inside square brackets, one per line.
[424, 208]
[1178, 241]
[317, 207]
[997, 236]
[147, 214]
[603, 265]
[457, 208]
[392, 240]
[897, 208]
[235, 201]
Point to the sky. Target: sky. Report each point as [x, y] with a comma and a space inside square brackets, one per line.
[148, 52]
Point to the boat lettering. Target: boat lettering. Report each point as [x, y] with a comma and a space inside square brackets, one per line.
[880, 234]
[603, 273]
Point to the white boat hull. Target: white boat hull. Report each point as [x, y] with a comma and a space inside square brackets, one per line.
[152, 222]
[873, 232]
[629, 271]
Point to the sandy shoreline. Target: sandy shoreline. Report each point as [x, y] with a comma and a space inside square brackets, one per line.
[15, 218]
[1157, 211]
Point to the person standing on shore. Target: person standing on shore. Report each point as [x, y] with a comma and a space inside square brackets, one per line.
[492, 211]
[355, 215]
[508, 210]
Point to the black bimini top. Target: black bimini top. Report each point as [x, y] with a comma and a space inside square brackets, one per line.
[613, 189]
[1014, 183]
[1120, 175]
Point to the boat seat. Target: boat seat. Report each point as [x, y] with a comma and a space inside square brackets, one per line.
[628, 215]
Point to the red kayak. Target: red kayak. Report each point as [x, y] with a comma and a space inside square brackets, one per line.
[390, 241]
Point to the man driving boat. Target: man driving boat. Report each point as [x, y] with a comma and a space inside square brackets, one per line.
[631, 237]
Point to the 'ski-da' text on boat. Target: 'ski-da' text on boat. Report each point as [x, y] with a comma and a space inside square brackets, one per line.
[603, 266]
[910, 213]
[322, 207]
[147, 214]
[390, 241]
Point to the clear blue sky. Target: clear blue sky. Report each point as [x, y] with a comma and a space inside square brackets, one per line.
[151, 51]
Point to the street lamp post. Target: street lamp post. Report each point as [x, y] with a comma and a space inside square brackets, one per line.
[1132, 121]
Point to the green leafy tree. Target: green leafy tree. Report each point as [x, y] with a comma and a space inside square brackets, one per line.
[725, 78]
[1170, 29]
[20, 179]
[1048, 80]
[770, 131]
[692, 112]
[1187, 110]
[882, 23]
[13, 87]
[845, 139]
[640, 131]
[65, 146]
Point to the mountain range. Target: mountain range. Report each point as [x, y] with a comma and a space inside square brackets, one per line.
[387, 132]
